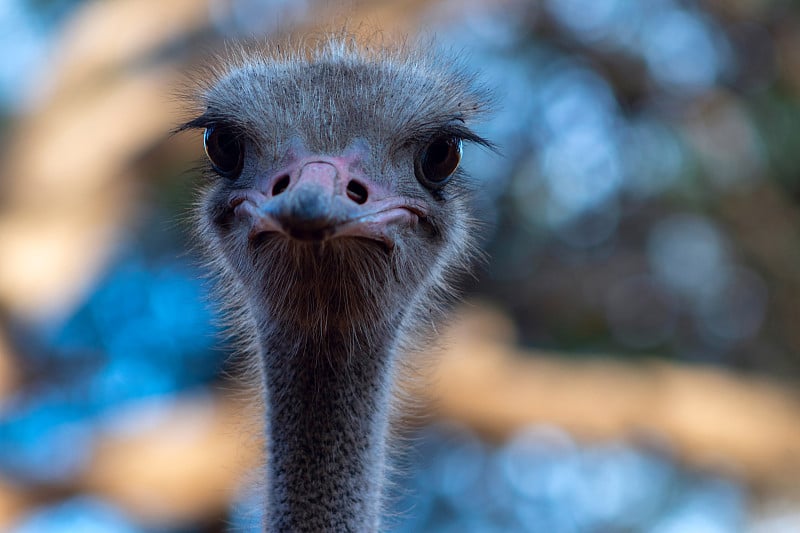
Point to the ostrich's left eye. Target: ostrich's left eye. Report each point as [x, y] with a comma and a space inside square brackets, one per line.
[438, 161]
[225, 150]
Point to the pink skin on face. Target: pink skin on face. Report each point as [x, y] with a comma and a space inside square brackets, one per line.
[317, 198]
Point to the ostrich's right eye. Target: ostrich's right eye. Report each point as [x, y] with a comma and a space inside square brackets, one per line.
[225, 150]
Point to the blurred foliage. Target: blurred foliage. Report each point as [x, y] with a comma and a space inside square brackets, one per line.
[647, 199]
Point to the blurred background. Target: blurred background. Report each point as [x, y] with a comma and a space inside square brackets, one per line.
[628, 356]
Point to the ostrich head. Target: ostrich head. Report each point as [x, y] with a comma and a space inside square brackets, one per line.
[335, 212]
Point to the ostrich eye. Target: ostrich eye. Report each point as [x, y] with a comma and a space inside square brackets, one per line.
[438, 161]
[225, 151]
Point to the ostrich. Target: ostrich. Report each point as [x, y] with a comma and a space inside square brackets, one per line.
[335, 215]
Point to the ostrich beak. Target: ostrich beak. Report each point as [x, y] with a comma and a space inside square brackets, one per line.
[319, 200]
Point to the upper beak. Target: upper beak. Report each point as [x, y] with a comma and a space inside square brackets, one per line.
[319, 200]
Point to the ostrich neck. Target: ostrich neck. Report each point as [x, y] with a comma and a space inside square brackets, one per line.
[327, 420]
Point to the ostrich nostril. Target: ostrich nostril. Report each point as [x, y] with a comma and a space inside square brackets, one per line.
[356, 192]
[281, 185]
